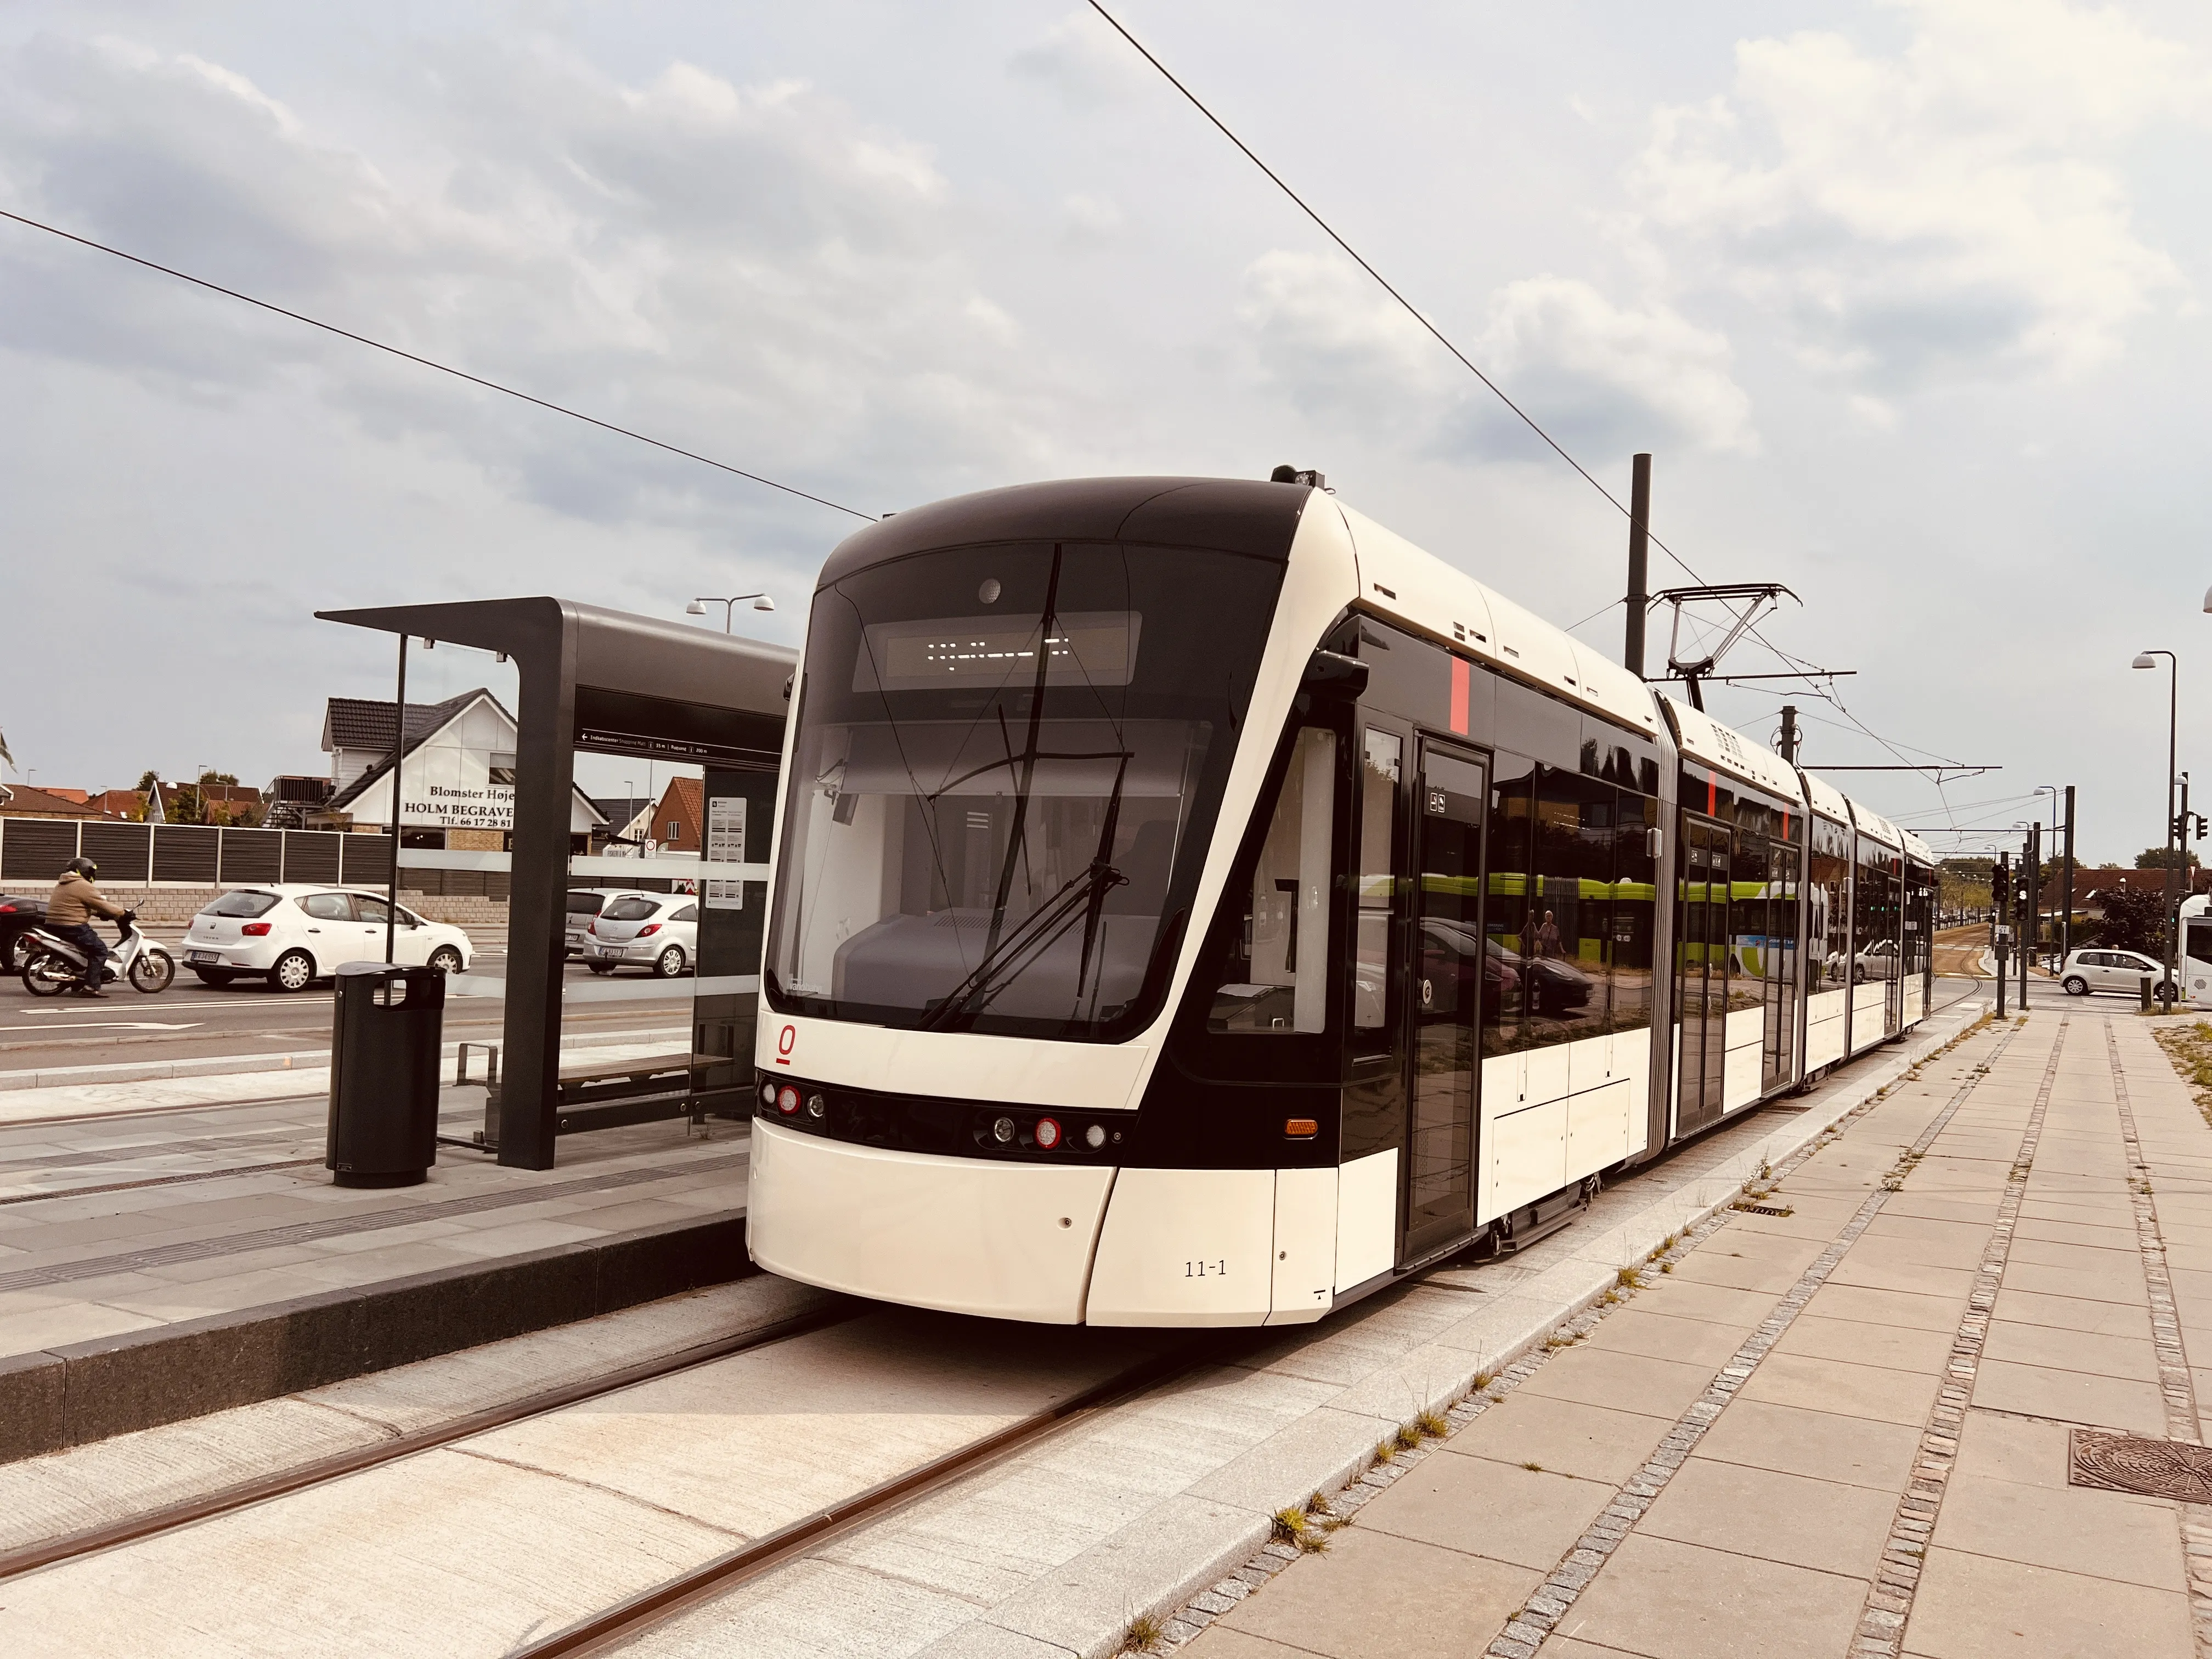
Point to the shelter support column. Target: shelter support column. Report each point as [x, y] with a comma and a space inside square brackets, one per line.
[544, 776]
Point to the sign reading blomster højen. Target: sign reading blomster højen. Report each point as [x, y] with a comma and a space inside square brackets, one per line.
[437, 806]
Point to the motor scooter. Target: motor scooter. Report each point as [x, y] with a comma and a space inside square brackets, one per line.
[52, 965]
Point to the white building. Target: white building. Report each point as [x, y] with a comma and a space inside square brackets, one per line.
[458, 772]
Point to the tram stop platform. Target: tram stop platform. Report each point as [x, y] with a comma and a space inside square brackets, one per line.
[1940, 1388]
[171, 1247]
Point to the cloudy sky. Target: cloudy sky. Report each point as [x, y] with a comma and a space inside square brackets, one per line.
[1908, 300]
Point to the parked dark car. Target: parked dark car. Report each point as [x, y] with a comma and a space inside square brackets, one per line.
[17, 916]
[1555, 985]
[1447, 971]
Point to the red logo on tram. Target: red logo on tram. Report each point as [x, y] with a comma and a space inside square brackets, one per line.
[786, 1040]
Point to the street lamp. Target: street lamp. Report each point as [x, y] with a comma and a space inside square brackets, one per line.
[698, 607]
[2149, 659]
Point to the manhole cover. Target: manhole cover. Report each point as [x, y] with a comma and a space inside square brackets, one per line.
[2127, 1462]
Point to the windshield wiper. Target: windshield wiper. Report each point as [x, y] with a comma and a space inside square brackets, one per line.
[1095, 909]
[1032, 938]
[1015, 838]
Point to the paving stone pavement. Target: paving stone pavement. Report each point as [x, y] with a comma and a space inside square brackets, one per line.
[1837, 1424]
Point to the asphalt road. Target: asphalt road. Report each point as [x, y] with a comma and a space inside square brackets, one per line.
[190, 1020]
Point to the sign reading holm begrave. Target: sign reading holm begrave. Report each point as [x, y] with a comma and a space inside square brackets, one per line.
[440, 805]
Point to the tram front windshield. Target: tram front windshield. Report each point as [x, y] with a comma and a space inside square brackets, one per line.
[1007, 767]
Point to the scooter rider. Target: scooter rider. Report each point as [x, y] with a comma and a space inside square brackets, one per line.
[70, 912]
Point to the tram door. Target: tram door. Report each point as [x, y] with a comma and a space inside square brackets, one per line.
[1447, 982]
[1703, 946]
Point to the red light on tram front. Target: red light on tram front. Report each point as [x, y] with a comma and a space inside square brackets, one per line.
[786, 1100]
[1047, 1133]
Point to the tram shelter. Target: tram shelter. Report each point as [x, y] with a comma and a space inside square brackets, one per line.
[609, 682]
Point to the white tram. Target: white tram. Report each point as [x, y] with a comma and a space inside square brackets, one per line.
[1194, 904]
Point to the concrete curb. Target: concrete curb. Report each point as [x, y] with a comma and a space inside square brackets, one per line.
[1182, 1548]
[61, 1077]
[60, 1397]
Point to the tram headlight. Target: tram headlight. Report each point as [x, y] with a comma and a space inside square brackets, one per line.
[786, 1100]
[1047, 1133]
[816, 1106]
[768, 1094]
[1003, 1130]
[1095, 1136]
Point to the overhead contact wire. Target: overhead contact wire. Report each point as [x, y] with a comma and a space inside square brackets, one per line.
[429, 362]
[1444, 340]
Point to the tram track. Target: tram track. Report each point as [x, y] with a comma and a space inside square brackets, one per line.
[678, 1596]
[321, 1471]
[658, 1603]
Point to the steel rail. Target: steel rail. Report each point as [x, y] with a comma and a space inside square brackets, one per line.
[323, 1470]
[680, 1595]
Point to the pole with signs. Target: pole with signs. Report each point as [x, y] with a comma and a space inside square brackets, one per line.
[2001, 902]
[399, 754]
[2066, 897]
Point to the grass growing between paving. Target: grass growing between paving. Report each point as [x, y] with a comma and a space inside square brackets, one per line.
[2190, 1047]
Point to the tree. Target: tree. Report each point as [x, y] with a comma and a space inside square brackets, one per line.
[1965, 883]
[2163, 858]
[219, 779]
[2135, 920]
[146, 780]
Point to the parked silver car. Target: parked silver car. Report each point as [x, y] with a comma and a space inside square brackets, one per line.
[656, 931]
[585, 903]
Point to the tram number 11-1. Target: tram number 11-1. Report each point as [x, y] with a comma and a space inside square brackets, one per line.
[1204, 1269]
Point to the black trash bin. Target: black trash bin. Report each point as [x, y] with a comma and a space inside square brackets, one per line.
[383, 1074]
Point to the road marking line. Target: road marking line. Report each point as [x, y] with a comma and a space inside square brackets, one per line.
[110, 1025]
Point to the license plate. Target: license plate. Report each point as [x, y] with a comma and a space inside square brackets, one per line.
[203, 956]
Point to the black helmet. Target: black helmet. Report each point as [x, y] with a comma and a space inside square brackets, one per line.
[84, 867]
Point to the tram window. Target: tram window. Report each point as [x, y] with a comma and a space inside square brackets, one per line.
[1748, 908]
[1828, 929]
[1876, 900]
[1008, 845]
[1530, 723]
[1278, 980]
[1380, 769]
[1635, 892]
[1562, 959]
[1505, 907]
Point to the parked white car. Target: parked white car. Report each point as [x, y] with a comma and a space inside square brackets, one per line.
[292, 934]
[2085, 971]
[656, 931]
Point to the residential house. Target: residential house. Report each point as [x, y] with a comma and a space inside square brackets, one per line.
[458, 768]
[679, 821]
[20, 800]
